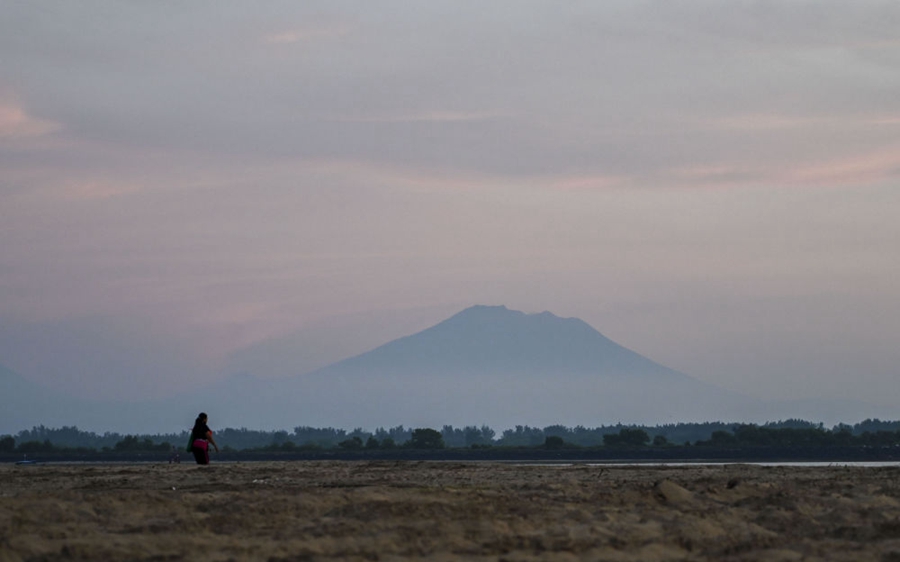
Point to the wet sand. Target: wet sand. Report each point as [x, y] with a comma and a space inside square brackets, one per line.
[293, 511]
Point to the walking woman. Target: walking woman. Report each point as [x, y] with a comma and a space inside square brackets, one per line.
[201, 437]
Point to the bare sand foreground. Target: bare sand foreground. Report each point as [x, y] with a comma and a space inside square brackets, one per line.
[286, 511]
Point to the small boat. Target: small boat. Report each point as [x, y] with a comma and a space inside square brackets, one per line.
[25, 460]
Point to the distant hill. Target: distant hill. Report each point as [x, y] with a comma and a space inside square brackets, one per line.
[25, 404]
[489, 364]
[484, 339]
[485, 365]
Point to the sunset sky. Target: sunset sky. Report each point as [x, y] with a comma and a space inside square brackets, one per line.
[715, 185]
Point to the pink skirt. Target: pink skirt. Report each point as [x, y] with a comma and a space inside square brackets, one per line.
[200, 449]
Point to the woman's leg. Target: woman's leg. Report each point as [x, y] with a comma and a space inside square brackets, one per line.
[201, 451]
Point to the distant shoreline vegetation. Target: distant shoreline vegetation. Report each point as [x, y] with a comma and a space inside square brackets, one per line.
[789, 438]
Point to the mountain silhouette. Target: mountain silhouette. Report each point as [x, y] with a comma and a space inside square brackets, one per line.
[484, 339]
[490, 364]
[484, 365]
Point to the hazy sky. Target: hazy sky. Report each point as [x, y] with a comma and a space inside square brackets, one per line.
[715, 185]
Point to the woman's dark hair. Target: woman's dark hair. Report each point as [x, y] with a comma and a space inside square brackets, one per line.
[200, 418]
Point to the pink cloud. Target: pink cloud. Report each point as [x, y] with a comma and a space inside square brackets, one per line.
[98, 189]
[435, 116]
[713, 175]
[858, 169]
[308, 33]
[15, 122]
[849, 170]
[764, 122]
[586, 182]
[886, 120]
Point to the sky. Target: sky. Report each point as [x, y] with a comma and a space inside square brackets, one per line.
[192, 190]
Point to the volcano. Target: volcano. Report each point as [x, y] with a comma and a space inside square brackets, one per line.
[496, 366]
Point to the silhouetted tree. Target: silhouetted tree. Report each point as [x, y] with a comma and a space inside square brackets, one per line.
[320, 437]
[352, 444]
[627, 437]
[397, 434]
[36, 447]
[721, 438]
[134, 443]
[522, 436]
[874, 425]
[554, 442]
[467, 436]
[453, 437]
[425, 438]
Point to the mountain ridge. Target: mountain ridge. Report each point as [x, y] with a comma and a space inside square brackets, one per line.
[495, 337]
[483, 365]
[493, 365]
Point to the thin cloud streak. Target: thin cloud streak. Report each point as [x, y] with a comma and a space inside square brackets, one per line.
[309, 33]
[435, 116]
[862, 169]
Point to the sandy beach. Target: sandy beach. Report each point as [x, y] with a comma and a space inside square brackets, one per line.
[292, 511]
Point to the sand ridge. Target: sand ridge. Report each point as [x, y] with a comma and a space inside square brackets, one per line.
[291, 511]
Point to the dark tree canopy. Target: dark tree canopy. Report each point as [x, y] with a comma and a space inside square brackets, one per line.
[426, 438]
[627, 437]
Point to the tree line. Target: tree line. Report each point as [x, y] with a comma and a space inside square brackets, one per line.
[787, 433]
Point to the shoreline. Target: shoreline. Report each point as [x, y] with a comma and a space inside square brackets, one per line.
[693, 455]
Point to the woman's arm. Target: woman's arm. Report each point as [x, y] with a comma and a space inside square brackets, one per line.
[209, 438]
